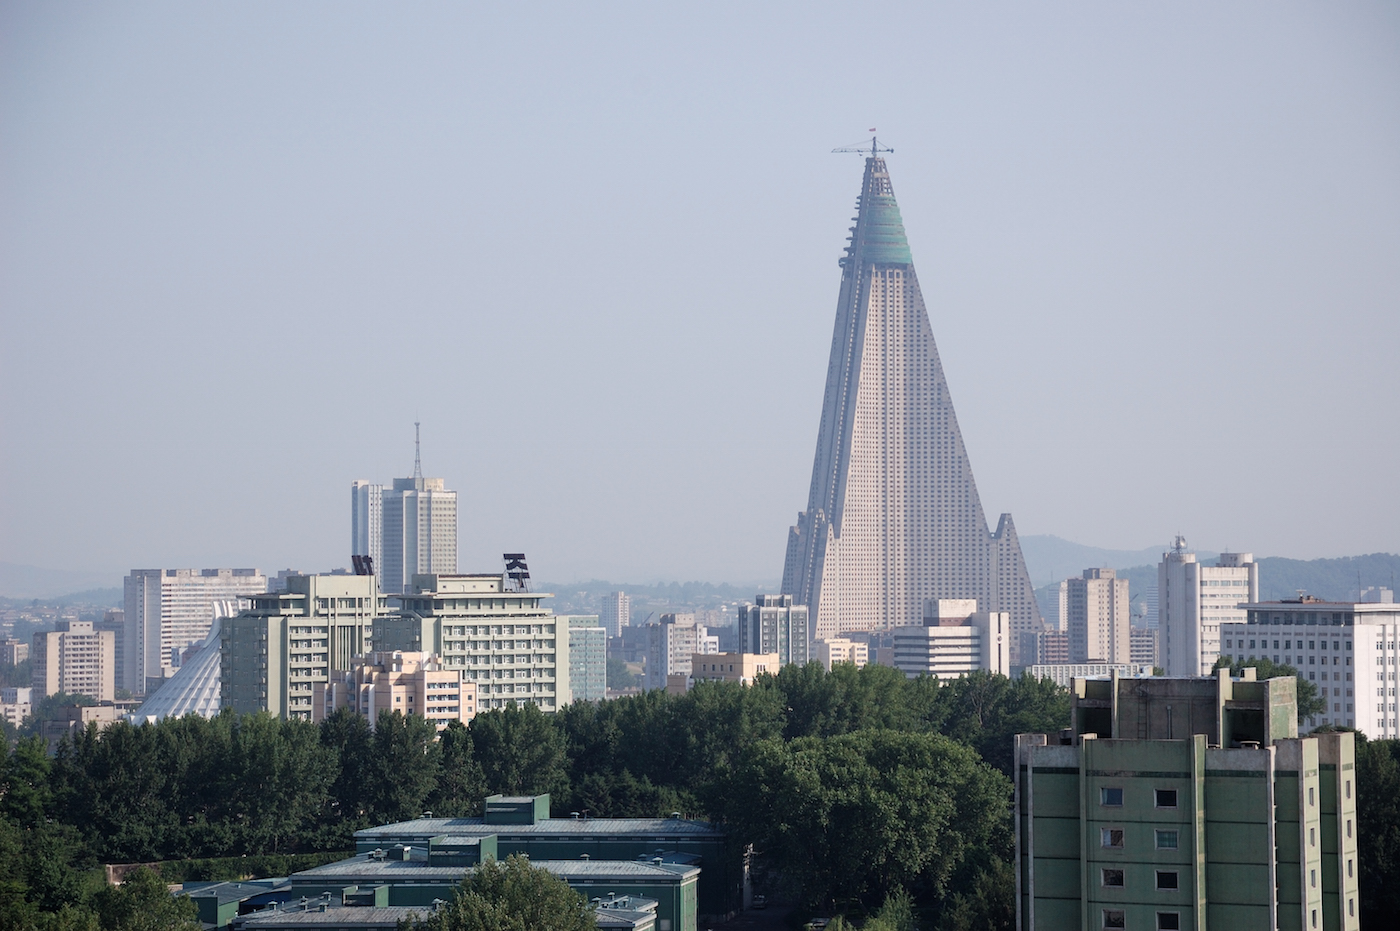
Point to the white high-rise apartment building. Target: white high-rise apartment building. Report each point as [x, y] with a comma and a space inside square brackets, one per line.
[1194, 600]
[893, 516]
[615, 613]
[367, 523]
[1350, 651]
[420, 532]
[167, 610]
[1096, 610]
[408, 528]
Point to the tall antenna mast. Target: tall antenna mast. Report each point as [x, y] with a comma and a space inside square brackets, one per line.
[417, 453]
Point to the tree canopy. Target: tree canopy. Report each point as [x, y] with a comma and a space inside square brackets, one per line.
[511, 896]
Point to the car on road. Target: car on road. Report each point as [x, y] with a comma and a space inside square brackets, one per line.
[759, 901]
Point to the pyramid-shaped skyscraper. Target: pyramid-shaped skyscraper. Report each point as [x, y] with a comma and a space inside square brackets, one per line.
[893, 520]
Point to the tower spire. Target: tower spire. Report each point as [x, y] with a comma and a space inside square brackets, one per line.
[417, 453]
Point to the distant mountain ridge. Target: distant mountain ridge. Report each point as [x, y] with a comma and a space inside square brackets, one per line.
[28, 582]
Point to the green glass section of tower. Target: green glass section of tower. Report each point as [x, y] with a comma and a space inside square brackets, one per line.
[881, 232]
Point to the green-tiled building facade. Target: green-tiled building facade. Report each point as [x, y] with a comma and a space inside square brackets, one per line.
[1242, 825]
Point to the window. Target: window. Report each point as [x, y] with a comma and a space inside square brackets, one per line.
[1111, 837]
[1168, 921]
[1311, 800]
[1167, 879]
[1166, 840]
[1113, 877]
[1112, 798]
[1166, 798]
[1113, 918]
[1348, 827]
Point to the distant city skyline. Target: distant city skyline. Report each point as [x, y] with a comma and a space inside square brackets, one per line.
[245, 248]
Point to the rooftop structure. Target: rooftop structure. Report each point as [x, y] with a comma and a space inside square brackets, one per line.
[195, 687]
[893, 516]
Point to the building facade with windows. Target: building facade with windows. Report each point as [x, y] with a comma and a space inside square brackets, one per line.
[669, 646]
[1348, 649]
[273, 655]
[893, 515]
[1194, 600]
[1094, 611]
[588, 657]
[953, 647]
[835, 650]
[1175, 804]
[76, 659]
[419, 527]
[505, 641]
[409, 683]
[615, 612]
[168, 610]
[774, 624]
[733, 667]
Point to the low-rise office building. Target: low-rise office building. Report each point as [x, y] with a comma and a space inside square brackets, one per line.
[406, 682]
[1062, 674]
[835, 650]
[522, 824]
[955, 639]
[1185, 803]
[505, 641]
[1349, 649]
[733, 667]
[13, 652]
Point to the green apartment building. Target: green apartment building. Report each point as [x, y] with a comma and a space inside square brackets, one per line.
[1182, 805]
[271, 655]
[504, 641]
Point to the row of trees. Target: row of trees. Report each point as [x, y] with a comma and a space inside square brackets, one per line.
[850, 785]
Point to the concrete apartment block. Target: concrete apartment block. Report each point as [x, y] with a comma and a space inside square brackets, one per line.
[774, 624]
[1184, 804]
[274, 655]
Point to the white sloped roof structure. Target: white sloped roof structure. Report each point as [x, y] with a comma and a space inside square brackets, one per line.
[194, 689]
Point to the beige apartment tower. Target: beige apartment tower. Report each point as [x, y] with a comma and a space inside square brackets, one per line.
[893, 516]
[76, 659]
[1095, 608]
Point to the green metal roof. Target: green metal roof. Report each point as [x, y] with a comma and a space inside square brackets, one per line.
[879, 232]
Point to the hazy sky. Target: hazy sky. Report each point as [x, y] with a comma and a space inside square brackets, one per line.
[593, 248]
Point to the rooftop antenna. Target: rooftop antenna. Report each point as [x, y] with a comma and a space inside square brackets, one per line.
[871, 149]
[417, 453]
